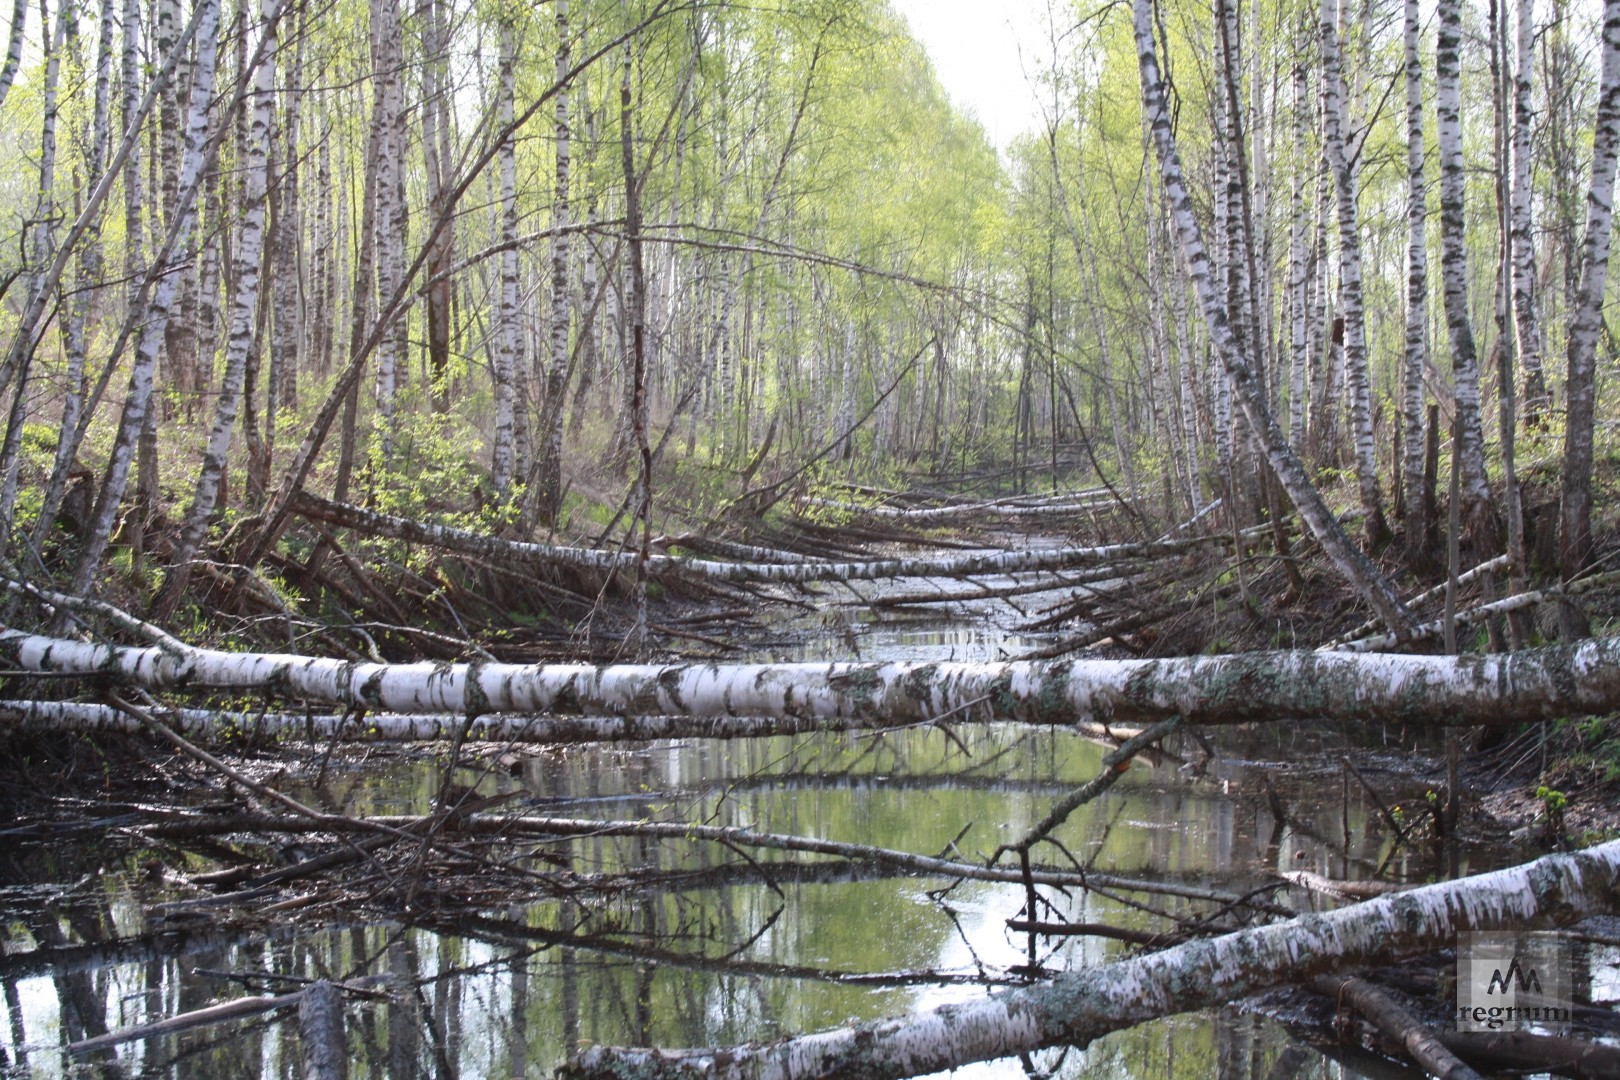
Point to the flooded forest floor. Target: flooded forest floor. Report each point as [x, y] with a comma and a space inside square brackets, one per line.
[490, 908]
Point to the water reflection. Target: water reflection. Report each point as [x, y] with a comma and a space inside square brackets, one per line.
[652, 941]
[689, 944]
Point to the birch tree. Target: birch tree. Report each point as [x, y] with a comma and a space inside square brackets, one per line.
[1492, 689]
[1416, 353]
[1351, 304]
[387, 116]
[1356, 568]
[1078, 1007]
[14, 48]
[548, 469]
[1526, 322]
[1470, 433]
[248, 254]
[41, 250]
[138, 401]
[1575, 537]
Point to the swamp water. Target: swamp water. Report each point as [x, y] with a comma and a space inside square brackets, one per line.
[693, 944]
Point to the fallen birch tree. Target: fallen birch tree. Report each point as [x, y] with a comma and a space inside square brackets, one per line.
[803, 571]
[360, 726]
[1080, 1006]
[1247, 687]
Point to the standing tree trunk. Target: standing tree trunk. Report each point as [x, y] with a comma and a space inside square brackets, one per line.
[387, 52]
[1299, 316]
[436, 91]
[1349, 560]
[40, 250]
[247, 253]
[1415, 522]
[1525, 319]
[14, 48]
[137, 403]
[287, 337]
[1350, 294]
[506, 459]
[88, 278]
[1575, 539]
[637, 305]
[548, 473]
[1473, 488]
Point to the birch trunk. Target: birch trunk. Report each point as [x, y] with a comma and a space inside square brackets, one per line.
[637, 300]
[87, 279]
[1473, 487]
[1350, 292]
[548, 474]
[436, 91]
[1526, 322]
[1415, 360]
[505, 461]
[124, 162]
[288, 337]
[530, 554]
[1299, 316]
[1349, 560]
[39, 244]
[1586, 324]
[247, 253]
[1080, 1006]
[14, 48]
[1491, 690]
[138, 401]
[386, 57]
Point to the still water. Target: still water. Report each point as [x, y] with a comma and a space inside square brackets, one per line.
[655, 942]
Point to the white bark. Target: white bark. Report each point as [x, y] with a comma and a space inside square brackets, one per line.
[1474, 489]
[1079, 1006]
[549, 472]
[1526, 321]
[1299, 316]
[1355, 567]
[1417, 292]
[505, 462]
[988, 511]
[387, 51]
[40, 255]
[1495, 689]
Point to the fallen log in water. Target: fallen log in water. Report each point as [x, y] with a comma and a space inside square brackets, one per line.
[806, 570]
[1398, 1023]
[1498, 689]
[1079, 1006]
[360, 726]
